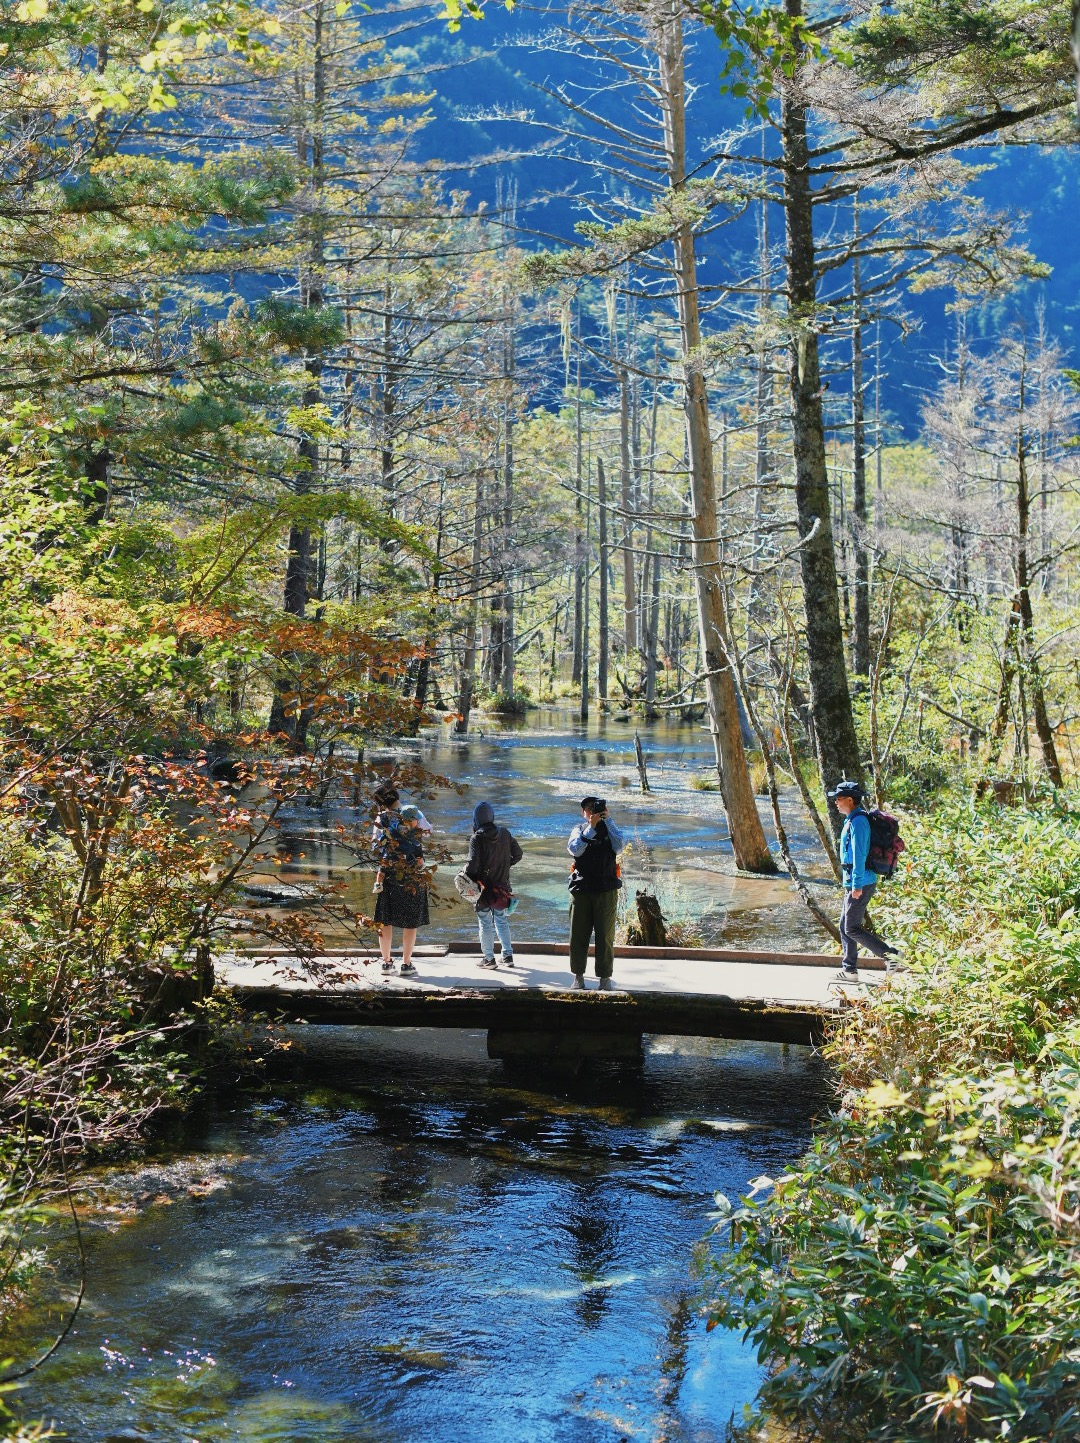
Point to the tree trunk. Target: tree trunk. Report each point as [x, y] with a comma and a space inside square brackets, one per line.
[861, 649]
[467, 681]
[1031, 671]
[625, 486]
[747, 834]
[431, 632]
[652, 612]
[509, 680]
[603, 639]
[763, 404]
[583, 710]
[834, 726]
[298, 565]
[579, 541]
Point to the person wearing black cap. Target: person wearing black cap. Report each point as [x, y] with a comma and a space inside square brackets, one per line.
[492, 852]
[594, 891]
[859, 881]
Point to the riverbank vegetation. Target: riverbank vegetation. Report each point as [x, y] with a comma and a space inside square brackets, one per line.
[304, 445]
[917, 1274]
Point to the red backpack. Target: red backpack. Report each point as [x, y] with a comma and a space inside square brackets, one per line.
[886, 843]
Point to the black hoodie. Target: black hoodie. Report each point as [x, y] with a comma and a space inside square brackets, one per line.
[492, 852]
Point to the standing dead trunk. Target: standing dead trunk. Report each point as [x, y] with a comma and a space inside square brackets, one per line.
[579, 541]
[603, 639]
[509, 680]
[747, 834]
[630, 636]
[861, 648]
[431, 630]
[467, 681]
[583, 710]
[651, 611]
[1032, 671]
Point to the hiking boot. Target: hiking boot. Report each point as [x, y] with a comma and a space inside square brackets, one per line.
[578, 984]
[604, 985]
[847, 974]
[488, 963]
[407, 970]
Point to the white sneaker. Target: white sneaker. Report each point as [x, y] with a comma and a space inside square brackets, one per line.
[578, 984]
[846, 976]
[604, 985]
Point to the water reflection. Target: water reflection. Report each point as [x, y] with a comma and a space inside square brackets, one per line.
[409, 1245]
[593, 1238]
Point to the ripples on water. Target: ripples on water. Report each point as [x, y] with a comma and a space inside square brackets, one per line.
[408, 1244]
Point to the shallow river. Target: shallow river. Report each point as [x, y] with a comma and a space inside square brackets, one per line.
[409, 1244]
[401, 1241]
[535, 775]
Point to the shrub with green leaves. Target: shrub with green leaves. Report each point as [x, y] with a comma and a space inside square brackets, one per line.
[988, 905]
[919, 1275]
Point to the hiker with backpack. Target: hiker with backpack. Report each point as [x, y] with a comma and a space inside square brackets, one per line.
[864, 859]
[492, 852]
[401, 885]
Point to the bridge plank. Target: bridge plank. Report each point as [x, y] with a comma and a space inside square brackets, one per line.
[782, 999]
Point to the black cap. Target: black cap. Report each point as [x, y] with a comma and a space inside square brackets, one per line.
[846, 789]
[593, 804]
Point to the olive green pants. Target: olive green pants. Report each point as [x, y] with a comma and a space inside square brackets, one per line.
[593, 912]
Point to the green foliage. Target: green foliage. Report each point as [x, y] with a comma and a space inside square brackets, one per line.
[918, 1276]
[989, 43]
[988, 906]
[760, 43]
[300, 329]
[454, 11]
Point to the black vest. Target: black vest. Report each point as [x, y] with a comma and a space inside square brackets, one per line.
[596, 870]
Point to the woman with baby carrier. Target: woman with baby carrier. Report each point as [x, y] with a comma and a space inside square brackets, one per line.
[401, 883]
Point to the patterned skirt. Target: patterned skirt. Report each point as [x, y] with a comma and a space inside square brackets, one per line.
[403, 903]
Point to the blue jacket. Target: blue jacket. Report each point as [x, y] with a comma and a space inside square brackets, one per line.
[854, 845]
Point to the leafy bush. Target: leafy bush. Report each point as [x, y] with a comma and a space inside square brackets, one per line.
[919, 1275]
[988, 906]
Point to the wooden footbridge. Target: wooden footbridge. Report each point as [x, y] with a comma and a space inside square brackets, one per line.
[530, 1011]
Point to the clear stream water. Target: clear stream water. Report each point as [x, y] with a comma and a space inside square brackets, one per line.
[401, 1241]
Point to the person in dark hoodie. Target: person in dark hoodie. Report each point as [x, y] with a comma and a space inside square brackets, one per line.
[492, 852]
